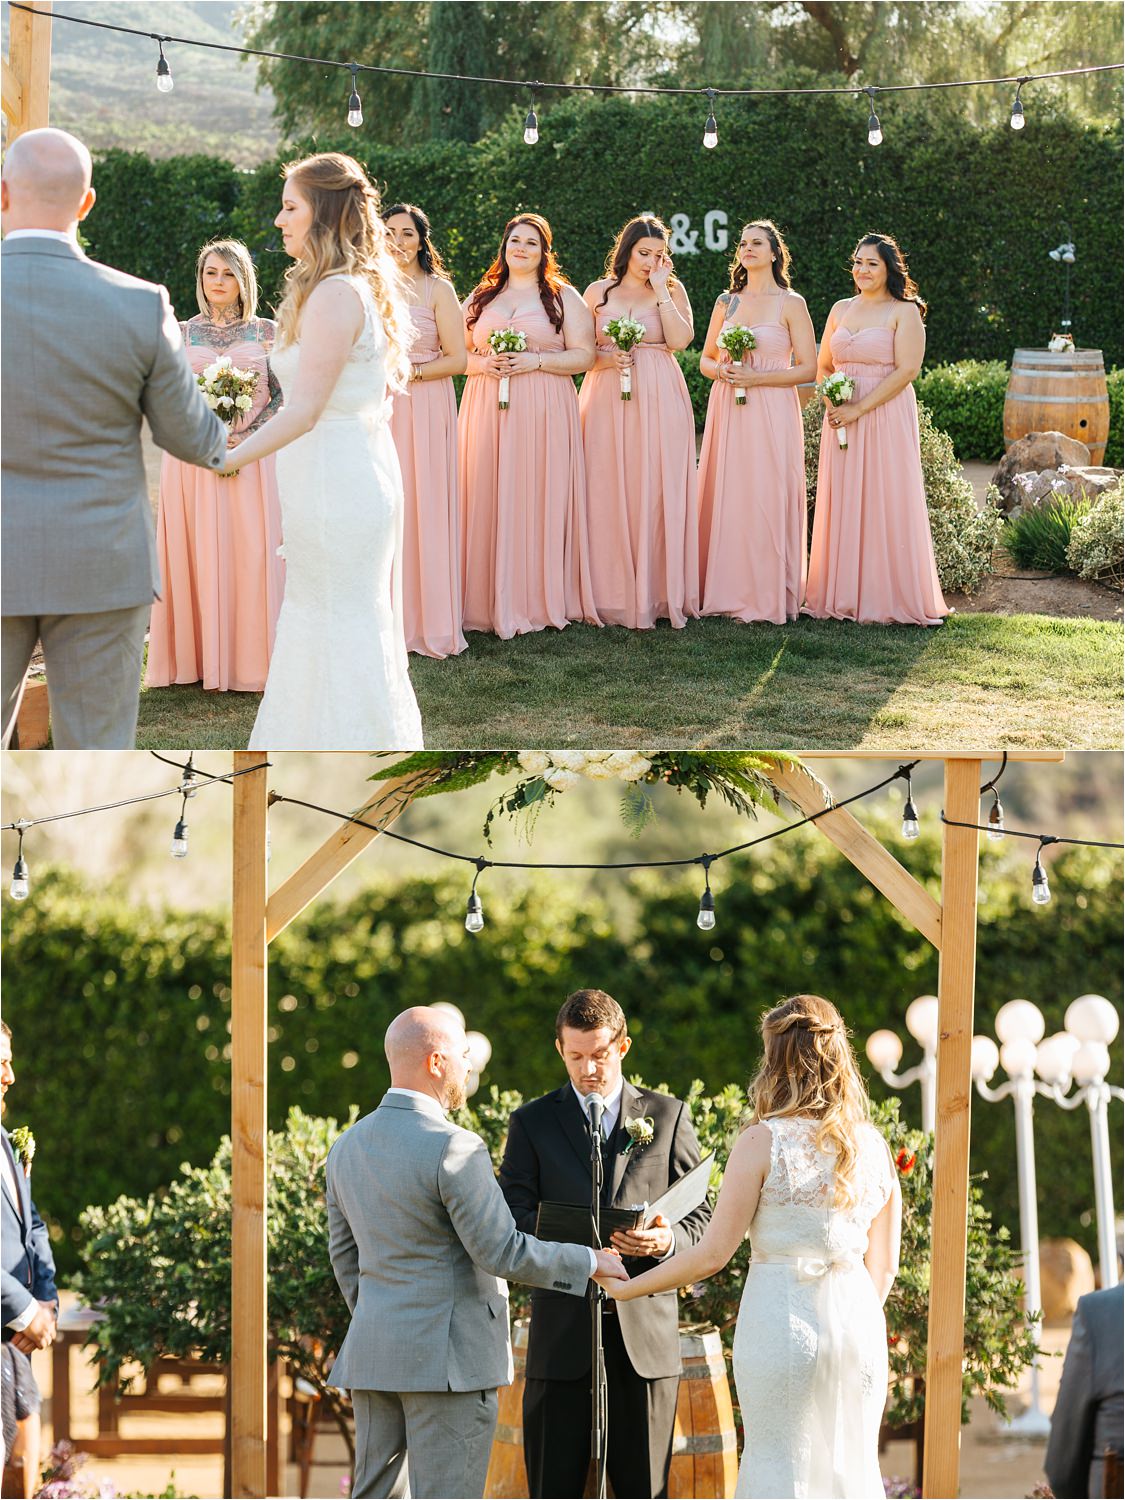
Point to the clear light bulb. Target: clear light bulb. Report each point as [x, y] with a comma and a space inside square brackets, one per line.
[530, 128]
[1017, 121]
[711, 133]
[706, 918]
[996, 822]
[474, 914]
[20, 888]
[355, 110]
[909, 820]
[179, 847]
[164, 75]
[874, 130]
[1040, 890]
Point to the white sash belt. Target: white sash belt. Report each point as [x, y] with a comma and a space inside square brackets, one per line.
[809, 1267]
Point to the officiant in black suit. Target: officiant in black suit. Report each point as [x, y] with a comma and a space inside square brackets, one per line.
[648, 1144]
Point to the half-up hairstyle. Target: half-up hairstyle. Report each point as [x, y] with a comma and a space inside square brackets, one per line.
[346, 234]
[900, 283]
[643, 227]
[808, 1068]
[779, 267]
[428, 258]
[495, 279]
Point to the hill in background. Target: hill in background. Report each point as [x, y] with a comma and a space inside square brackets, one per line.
[103, 84]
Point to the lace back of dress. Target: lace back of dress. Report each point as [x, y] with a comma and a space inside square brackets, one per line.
[800, 1172]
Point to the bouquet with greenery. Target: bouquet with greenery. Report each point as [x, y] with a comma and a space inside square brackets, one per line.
[227, 390]
[506, 341]
[838, 388]
[738, 341]
[625, 334]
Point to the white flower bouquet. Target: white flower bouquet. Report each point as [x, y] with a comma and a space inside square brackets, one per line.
[625, 334]
[838, 388]
[1061, 343]
[227, 390]
[506, 341]
[738, 341]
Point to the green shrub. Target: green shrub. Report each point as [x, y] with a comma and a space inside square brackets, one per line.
[1114, 449]
[1039, 537]
[963, 536]
[1097, 540]
[966, 400]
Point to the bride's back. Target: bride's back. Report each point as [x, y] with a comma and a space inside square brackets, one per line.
[798, 1212]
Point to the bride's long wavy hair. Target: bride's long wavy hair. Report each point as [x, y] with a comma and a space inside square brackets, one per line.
[808, 1068]
[346, 234]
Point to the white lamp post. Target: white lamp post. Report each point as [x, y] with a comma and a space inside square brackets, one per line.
[1020, 1025]
[884, 1051]
[480, 1048]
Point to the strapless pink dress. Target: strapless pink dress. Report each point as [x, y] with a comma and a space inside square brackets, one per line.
[872, 556]
[641, 487]
[424, 428]
[752, 507]
[525, 549]
[217, 540]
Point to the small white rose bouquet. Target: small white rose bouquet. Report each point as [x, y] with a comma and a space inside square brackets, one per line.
[506, 341]
[227, 390]
[23, 1146]
[1061, 343]
[838, 388]
[625, 334]
[738, 341]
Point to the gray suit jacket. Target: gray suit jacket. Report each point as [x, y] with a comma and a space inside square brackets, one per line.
[419, 1235]
[87, 351]
[1088, 1413]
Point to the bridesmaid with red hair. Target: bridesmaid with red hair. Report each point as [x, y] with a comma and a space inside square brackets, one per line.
[640, 452]
[525, 548]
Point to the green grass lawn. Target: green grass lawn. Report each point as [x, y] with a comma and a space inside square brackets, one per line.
[1026, 681]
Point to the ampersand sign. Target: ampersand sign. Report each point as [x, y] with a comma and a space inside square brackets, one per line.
[684, 238]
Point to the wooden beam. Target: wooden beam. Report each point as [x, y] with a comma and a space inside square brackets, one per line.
[949, 1227]
[248, 1133]
[866, 853]
[337, 852]
[29, 67]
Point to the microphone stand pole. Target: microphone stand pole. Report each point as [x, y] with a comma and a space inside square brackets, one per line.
[599, 1398]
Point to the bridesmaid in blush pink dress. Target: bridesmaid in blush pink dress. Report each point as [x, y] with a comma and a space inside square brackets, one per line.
[872, 556]
[424, 428]
[752, 463]
[640, 453]
[217, 538]
[526, 553]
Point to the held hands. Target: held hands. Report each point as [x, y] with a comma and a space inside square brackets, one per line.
[654, 1240]
[610, 1268]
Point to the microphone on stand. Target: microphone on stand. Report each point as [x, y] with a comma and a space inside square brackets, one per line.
[595, 1109]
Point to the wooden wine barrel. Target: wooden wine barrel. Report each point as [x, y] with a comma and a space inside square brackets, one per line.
[704, 1446]
[1058, 393]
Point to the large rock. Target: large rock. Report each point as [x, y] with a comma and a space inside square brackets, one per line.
[1065, 1274]
[1033, 454]
[1089, 481]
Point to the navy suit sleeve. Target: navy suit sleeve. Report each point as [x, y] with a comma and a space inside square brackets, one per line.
[1071, 1444]
[42, 1258]
[14, 1298]
[519, 1176]
[686, 1154]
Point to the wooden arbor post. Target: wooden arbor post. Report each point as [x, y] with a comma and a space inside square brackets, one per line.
[27, 69]
[950, 926]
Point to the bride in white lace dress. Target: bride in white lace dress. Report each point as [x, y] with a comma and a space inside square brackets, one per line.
[814, 1185]
[338, 677]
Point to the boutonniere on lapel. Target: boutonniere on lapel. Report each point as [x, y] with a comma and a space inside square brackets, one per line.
[640, 1132]
[23, 1144]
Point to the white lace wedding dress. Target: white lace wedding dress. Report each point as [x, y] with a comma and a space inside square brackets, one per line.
[338, 676]
[810, 1349]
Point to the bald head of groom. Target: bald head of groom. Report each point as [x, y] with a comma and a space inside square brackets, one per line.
[428, 1053]
[46, 182]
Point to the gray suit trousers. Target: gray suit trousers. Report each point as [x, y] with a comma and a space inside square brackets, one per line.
[440, 1440]
[93, 674]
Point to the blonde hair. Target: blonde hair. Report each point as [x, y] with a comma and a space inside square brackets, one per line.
[346, 234]
[234, 255]
[808, 1068]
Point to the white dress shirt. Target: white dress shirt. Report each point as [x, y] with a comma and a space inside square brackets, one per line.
[612, 1108]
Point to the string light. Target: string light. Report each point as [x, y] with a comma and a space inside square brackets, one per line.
[711, 129]
[531, 128]
[874, 129]
[1040, 889]
[179, 847]
[909, 813]
[20, 888]
[474, 912]
[1017, 121]
[355, 104]
[996, 819]
[163, 72]
[706, 918]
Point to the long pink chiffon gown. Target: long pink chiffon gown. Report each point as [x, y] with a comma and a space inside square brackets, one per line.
[217, 542]
[752, 504]
[872, 556]
[641, 487]
[424, 429]
[525, 549]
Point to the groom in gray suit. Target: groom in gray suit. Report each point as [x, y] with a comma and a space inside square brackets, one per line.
[87, 352]
[420, 1235]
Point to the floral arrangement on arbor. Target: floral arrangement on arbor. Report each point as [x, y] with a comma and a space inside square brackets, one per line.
[739, 778]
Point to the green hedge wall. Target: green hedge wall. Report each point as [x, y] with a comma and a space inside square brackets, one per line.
[975, 209]
[120, 1013]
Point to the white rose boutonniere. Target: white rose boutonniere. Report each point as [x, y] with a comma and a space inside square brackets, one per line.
[23, 1145]
[640, 1132]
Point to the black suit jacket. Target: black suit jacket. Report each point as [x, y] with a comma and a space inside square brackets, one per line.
[547, 1157]
[28, 1265]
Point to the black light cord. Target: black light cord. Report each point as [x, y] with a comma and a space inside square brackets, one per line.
[22, 824]
[1041, 838]
[990, 786]
[537, 85]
